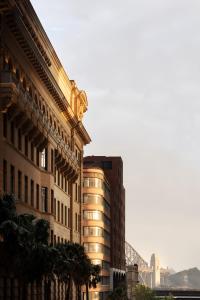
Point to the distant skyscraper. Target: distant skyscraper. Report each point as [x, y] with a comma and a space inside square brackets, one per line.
[155, 265]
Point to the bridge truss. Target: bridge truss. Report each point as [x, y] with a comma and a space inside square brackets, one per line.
[133, 257]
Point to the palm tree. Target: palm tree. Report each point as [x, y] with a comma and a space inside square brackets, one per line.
[24, 245]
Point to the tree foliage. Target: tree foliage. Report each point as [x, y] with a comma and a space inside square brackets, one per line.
[26, 253]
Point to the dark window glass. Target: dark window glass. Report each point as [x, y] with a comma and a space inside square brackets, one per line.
[5, 125]
[26, 189]
[12, 132]
[32, 152]
[19, 185]
[37, 196]
[58, 211]
[12, 179]
[52, 202]
[62, 213]
[44, 199]
[52, 160]
[19, 139]
[69, 218]
[26, 145]
[32, 192]
[65, 215]
[38, 158]
[5, 176]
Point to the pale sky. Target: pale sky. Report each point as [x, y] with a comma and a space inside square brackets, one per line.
[139, 63]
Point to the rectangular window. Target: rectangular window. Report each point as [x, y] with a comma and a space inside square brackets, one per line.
[52, 160]
[5, 176]
[62, 180]
[38, 158]
[32, 152]
[12, 179]
[5, 125]
[44, 159]
[54, 207]
[79, 223]
[19, 139]
[65, 215]
[52, 202]
[26, 189]
[37, 196]
[58, 178]
[76, 191]
[26, 145]
[12, 133]
[58, 211]
[62, 213]
[32, 192]
[44, 199]
[66, 185]
[19, 185]
[76, 222]
[69, 218]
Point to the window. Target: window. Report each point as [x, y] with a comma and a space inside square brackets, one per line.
[12, 133]
[105, 280]
[44, 199]
[66, 185]
[26, 189]
[62, 213]
[5, 125]
[92, 215]
[12, 180]
[76, 222]
[62, 179]
[19, 185]
[65, 215]
[93, 231]
[32, 152]
[58, 216]
[93, 182]
[52, 202]
[32, 192]
[107, 165]
[5, 176]
[38, 158]
[19, 139]
[52, 160]
[26, 145]
[69, 218]
[94, 247]
[37, 196]
[54, 207]
[44, 159]
[79, 223]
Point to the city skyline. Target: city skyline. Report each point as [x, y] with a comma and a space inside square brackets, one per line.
[138, 63]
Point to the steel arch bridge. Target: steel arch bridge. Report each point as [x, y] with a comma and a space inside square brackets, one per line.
[133, 257]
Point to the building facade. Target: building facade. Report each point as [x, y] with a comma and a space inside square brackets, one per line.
[113, 170]
[41, 131]
[96, 227]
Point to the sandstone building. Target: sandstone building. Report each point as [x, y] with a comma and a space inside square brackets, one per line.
[41, 131]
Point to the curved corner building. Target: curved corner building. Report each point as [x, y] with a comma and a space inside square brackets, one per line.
[96, 226]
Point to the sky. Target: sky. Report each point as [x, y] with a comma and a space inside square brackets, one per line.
[139, 63]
